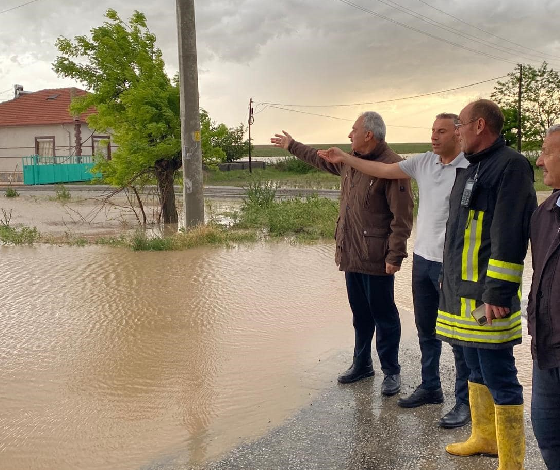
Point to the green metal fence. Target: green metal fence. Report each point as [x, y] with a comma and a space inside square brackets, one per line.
[49, 170]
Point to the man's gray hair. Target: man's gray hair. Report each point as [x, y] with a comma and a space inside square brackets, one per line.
[451, 116]
[552, 129]
[373, 122]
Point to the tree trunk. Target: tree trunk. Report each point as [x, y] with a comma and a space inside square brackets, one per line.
[165, 171]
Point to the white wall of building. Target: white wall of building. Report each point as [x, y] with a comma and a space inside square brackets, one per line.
[17, 142]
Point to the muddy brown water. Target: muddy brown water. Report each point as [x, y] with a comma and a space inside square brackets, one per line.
[110, 358]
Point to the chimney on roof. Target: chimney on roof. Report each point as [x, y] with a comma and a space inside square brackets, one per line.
[18, 90]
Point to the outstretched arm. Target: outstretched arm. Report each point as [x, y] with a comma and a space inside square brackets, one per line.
[304, 152]
[389, 171]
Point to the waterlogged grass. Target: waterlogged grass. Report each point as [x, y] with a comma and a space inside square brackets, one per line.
[18, 236]
[203, 235]
[306, 219]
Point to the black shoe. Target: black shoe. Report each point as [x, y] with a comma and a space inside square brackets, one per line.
[391, 385]
[459, 415]
[355, 373]
[420, 397]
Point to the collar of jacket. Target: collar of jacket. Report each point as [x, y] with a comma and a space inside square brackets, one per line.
[550, 204]
[478, 157]
[377, 151]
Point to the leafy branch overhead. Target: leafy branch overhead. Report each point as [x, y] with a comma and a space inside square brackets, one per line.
[124, 73]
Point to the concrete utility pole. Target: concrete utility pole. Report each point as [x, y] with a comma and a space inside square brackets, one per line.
[250, 122]
[190, 119]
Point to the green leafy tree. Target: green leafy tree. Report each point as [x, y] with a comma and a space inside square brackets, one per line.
[220, 143]
[540, 104]
[232, 142]
[211, 154]
[510, 126]
[124, 73]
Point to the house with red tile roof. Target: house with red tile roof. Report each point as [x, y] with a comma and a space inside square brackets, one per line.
[40, 123]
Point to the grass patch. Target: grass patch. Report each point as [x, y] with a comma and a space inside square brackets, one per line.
[203, 235]
[287, 179]
[61, 194]
[11, 192]
[18, 236]
[306, 219]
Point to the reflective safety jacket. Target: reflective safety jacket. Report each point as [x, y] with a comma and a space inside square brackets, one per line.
[485, 245]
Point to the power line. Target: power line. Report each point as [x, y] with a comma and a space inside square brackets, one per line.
[18, 6]
[335, 117]
[487, 32]
[382, 101]
[433, 36]
[456, 32]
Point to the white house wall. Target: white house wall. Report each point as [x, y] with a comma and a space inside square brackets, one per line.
[17, 142]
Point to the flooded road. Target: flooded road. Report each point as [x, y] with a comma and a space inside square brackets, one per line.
[111, 359]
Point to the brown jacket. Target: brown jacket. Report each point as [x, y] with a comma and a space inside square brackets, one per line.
[543, 310]
[375, 217]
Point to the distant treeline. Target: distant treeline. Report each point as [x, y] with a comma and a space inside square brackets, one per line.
[271, 151]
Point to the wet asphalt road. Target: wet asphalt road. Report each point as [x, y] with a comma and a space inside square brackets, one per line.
[354, 427]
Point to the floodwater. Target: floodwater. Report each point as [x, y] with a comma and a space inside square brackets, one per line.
[111, 359]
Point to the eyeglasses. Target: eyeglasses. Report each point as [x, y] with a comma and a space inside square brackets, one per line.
[460, 124]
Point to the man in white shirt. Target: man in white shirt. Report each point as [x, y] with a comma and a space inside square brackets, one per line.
[435, 175]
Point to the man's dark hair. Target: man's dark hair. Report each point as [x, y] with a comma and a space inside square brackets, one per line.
[451, 116]
[490, 112]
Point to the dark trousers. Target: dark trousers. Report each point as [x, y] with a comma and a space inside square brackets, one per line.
[545, 414]
[496, 369]
[425, 294]
[373, 307]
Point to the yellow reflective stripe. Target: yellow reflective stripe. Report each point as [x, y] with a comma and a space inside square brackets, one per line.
[470, 323]
[504, 264]
[471, 246]
[467, 306]
[501, 331]
[503, 337]
[505, 271]
[466, 245]
[477, 245]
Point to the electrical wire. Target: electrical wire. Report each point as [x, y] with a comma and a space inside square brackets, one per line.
[335, 117]
[487, 32]
[382, 101]
[433, 36]
[456, 32]
[18, 6]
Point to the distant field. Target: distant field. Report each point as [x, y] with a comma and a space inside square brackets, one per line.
[271, 151]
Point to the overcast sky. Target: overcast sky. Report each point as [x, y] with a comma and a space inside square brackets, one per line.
[309, 52]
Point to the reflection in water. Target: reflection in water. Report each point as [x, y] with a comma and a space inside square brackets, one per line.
[114, 359]
[110, 358]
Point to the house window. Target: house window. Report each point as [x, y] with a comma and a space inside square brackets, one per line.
[101, 145]
[44, 146]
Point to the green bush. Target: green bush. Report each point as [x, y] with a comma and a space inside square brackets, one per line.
[62, 194]
[259, 193]
[307, 219]
[294, 165]
[10, 192]
[18, 236]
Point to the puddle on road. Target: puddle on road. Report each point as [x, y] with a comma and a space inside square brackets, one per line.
[111, 358]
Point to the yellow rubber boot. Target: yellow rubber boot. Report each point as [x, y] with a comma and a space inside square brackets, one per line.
[510, 431]
[483, 434]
